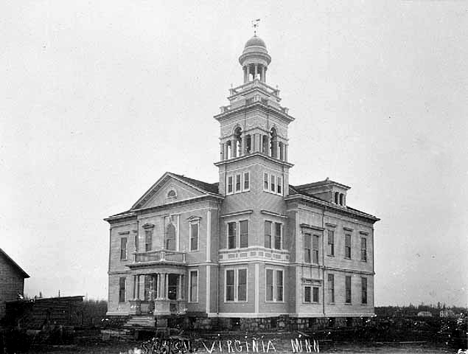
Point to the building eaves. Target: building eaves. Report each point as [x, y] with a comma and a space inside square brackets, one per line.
[316, 200]
[12, 262]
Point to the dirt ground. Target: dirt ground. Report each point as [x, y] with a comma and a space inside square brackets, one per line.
[121, 347]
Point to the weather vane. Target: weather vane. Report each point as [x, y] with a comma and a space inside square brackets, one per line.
[255, 24]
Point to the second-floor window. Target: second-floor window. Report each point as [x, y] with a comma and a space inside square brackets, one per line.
[278, 235]
[148, 240]
[170, 237]
[348, 246]
[244, 233]
[238, 234]
[331, 243]
[194, 231]
[136, 243]
[311, 294]
[232, 231]
[123, 248]
[315, 249]
[238, 183]
[307, 248]
[363, 249]
[267, 239]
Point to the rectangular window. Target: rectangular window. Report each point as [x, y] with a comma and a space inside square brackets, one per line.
[268, 234]
[279, 185]
[307, 294]
[236, 285]
[193, 286]
[147, 287]
[348, 246]
[278, 228]
[230, 285]
[315, 294]
[265, 181]
[229, 185]
[307, 248]
[123, 248]
[331, 288]
[363, 249]
[279, 285]
[136, 243]
[348, 289]
[331, 242]
[272, 184]
[364, 290]
[244, 233]
[246, 181]
[274, 285]
[242, 285]
[232, 235]
[238, 183]
[194, 227]
[269, 285]
[315, 249]
[122, 289]
[148, 240]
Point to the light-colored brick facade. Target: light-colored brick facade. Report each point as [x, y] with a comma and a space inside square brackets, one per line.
[11, 281]
[251, 246]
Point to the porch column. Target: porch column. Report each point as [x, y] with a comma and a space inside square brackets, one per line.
[134, 286]
[158, 286]
[179, 287]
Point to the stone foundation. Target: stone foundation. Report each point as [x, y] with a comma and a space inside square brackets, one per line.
[269, 324]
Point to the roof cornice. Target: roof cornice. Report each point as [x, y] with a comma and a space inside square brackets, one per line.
[327, 205]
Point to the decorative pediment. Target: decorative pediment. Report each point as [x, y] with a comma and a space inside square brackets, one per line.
[194, 218]
[172, 188]
[148, 226]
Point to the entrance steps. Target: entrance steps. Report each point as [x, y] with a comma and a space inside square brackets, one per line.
[141, 321]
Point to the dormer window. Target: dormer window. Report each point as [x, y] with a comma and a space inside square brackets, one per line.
[339, 198]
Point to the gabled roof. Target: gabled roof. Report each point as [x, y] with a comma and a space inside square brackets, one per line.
[325, 182]
[207, 187]
[14, 264]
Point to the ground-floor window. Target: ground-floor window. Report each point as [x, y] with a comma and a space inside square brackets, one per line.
[236, 284]
[311, 294]
[274, 285]
[122, 281]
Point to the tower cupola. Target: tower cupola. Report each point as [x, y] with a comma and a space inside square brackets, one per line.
[255, 60]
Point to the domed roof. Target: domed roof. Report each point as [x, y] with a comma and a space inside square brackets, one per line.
[255, 42]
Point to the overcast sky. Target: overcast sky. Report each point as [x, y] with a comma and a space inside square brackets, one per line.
[99, 98]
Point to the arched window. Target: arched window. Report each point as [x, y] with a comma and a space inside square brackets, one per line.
[337, 196]
[170, 237]
[273, 143]
[341, 199]
[238, 142]
[171, 194]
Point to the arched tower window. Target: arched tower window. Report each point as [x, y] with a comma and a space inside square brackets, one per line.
[238, 142]
[273, 143]
[337, 196]
[170, 237]
[341, 199]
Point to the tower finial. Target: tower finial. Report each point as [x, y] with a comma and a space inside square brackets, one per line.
[255, 24]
